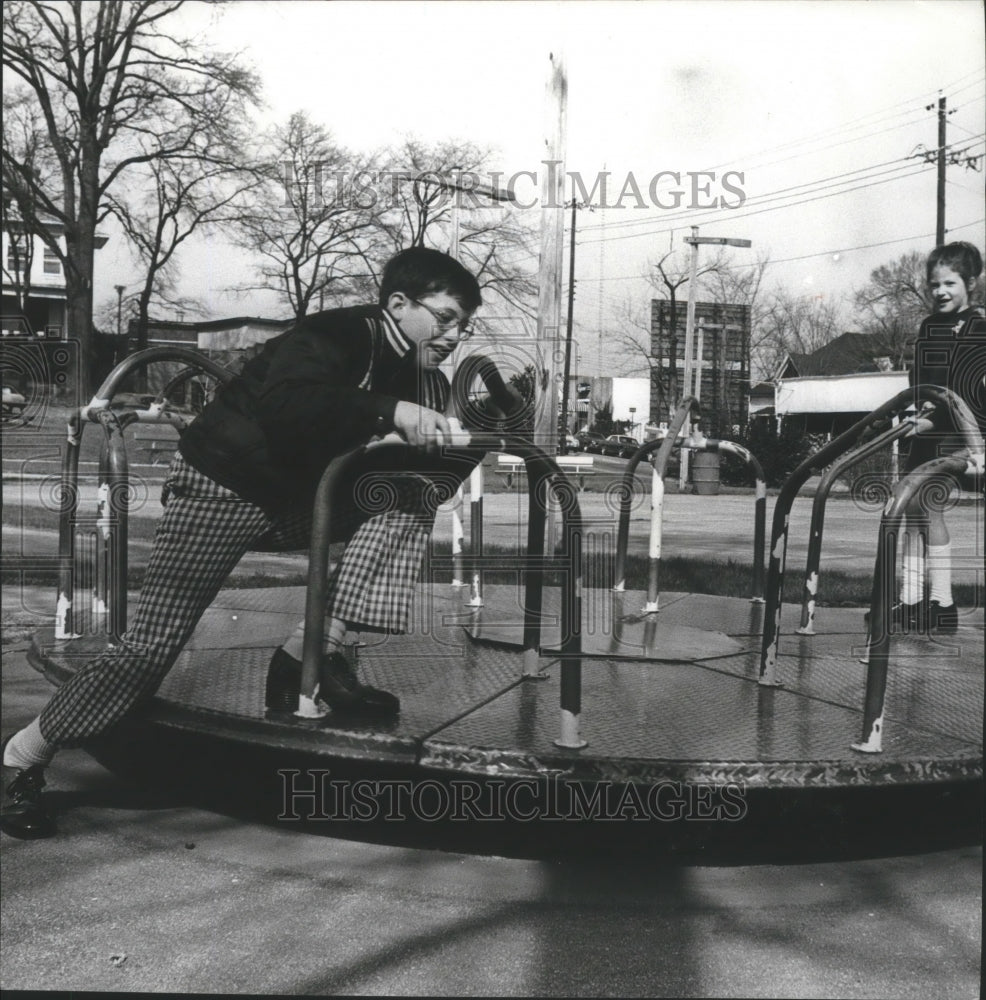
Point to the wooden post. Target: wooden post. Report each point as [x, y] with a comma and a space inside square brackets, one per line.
[552, 251]
[690, 360]
[568, 332]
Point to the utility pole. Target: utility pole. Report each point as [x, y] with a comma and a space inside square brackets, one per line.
[940, 215]
[688, 389]
[552, 250]
[938, 157]
[568, 331]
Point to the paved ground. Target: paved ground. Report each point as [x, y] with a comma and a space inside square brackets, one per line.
[143, 892]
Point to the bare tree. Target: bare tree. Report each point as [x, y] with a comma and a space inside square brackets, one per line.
[743, 285]
[429, 195]
[648, 348]
[168, 200]
[632, 338]
[106, 77]
[19, 260]
[164, 298]
[311, 219]
[795, 324]
[23, 134]
[891, 306]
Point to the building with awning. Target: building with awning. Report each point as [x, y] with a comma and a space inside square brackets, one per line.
[830, 404]
[828, 390]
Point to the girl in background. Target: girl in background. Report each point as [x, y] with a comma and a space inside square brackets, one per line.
[950, 351]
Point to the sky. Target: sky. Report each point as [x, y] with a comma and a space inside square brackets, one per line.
[817, 112]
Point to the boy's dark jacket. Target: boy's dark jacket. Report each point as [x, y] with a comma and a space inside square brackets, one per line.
[950, 351]
[270, 432]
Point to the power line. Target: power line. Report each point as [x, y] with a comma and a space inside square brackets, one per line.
[817, 185]
[864, 120]
[821, 253]
[665, 186]
[974, 83]
[861, 122]
[898, 173]
[964, 129]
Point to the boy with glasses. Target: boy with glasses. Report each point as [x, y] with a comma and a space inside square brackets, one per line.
[245, 477]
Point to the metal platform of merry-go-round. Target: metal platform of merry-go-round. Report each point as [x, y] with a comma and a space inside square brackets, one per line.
[546, 714]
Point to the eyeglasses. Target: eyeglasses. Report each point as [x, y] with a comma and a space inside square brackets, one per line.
[446, 321]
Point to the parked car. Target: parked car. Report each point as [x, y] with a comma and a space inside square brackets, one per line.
[13, 403]
[567, 444]
[619, 445]
[589, 441]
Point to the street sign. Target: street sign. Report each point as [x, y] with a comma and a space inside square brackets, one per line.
[722, 241]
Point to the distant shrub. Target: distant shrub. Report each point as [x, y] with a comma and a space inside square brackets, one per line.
[779, 454]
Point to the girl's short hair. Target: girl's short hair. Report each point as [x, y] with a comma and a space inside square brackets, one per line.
[963, 258]
[420, 271]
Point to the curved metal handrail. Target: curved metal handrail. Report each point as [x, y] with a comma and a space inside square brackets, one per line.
[95, 412]
[950, 468]
[663, 447]
[698, 442]
[962, 420]
[543, 473]
[104, 394]
[695, 442]
[157, 410]
[825, 484]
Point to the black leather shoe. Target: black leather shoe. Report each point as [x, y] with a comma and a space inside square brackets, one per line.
[338, 687]
[336, 669]
[943, 618]
[905, 617]
[22, 812]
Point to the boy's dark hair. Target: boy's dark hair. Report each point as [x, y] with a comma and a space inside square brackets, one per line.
[420, 271]
[962, 258]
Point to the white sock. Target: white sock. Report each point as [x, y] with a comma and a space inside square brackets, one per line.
[28, 748]
[940, 573]
[335, 632]
[912, 572]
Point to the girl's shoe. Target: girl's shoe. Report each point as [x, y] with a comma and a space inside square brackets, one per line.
[905, 617]
[943, 618]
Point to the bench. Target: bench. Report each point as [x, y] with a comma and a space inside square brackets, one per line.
[155, 443]
[579, 466]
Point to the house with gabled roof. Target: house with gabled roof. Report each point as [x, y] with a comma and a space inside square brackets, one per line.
[828, 390]
[848, 354]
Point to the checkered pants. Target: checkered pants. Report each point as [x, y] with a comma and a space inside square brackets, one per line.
[204, 532]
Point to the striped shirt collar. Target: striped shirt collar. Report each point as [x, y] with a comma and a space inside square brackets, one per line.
[396, 338]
